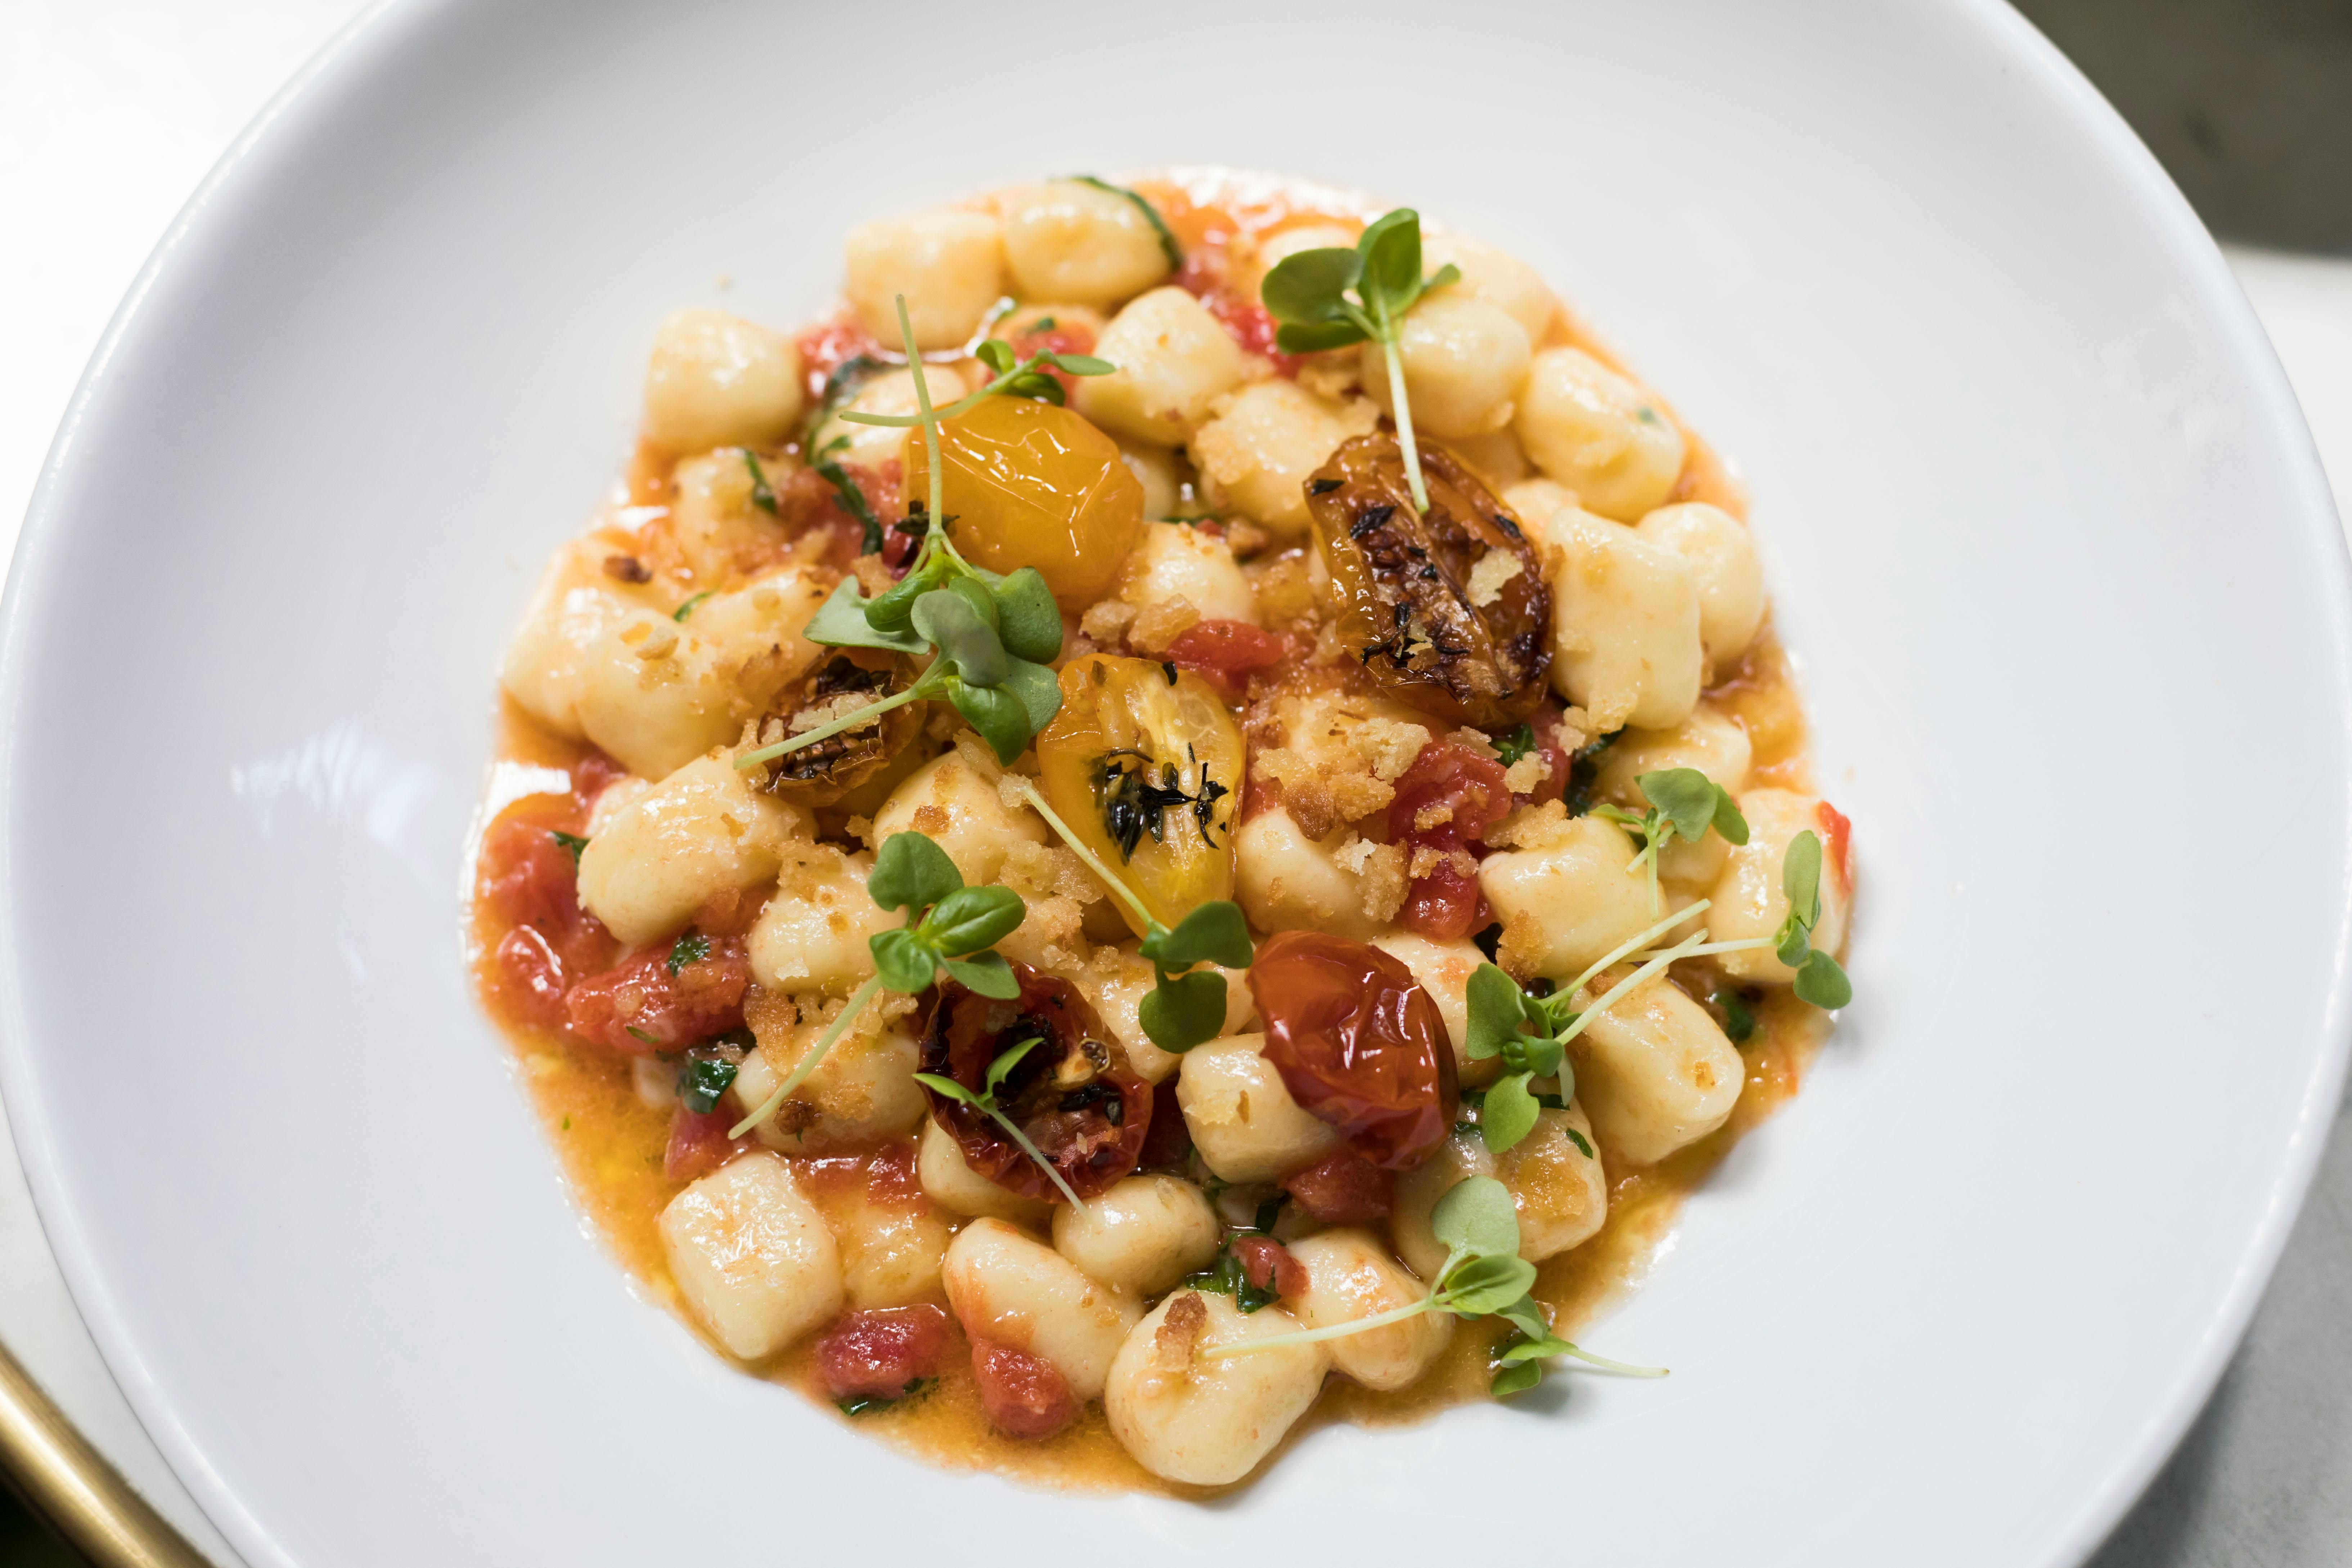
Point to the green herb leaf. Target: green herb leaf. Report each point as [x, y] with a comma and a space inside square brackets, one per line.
[973, 918]
[1214, 932]
[1729, 822]
[1080, 364]
[1517, 1377]
[1686, 796]
[1390, 248]
[948, 1088]
[1167, 245]
[911, 873]
[1039, 691]
[572, 842]
[1510, 1112]
[1477, 1285]
[1738, 1018]
[692, 947]
[1527, 1317]
[1005, 1063]
[1516, 743]
[702, 1081]
[1823, 982]
[852, 501]
[903, 961]
[640, 1035]
[1478, 1218]
[1183, 1010]
[843, 621]
[996, 354]
[1315, 337]
[761, 496]
[1801, 878]
[866, 1404]
[978, 595]
[1795, 943]
[892, 610]
[1497, 1009]
[687, 608]
[986, 973]
[998, 716]
[1028, 620]
[1305, 289]
[841, 386]
[952, 622]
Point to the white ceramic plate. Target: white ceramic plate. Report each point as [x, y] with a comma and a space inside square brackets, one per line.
[2042, 519]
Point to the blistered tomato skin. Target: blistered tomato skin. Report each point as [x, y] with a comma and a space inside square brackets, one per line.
[822, 774]
[1359, 1045]
[1408, 587]
[1144, 761]
[1030, 484]
[1074, 1096]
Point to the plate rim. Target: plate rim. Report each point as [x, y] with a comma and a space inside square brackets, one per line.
[371, 41]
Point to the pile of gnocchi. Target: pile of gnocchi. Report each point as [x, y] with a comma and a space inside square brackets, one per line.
[1183, 814]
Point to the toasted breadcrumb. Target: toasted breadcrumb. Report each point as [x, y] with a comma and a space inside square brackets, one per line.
[1494, 569]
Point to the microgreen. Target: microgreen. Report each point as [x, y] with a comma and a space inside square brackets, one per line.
[1684, 804]
[841, 385]
[1482, 1274]
[692, 947]
[572, 843]
[762, 496]
[686, 609]
[995, 635]
[1013, 378]
[1227, 1276]
[1820, 981]
[1167, 245]
[1308, 294]
[1530, 1033]
[986, 1103]
[1514, 744]
[1186, 1004]
[1520, 1363]
[950, 928]
[845, 488]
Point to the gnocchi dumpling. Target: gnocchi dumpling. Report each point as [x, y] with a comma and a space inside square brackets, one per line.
[699, 832]
[1067, 239]
[1174, 360]
[1624, 624]
[1264, 441]
[752, 1256]
[1008, 1288]
[1597, 433]
[949, 262]
[1207, 1421]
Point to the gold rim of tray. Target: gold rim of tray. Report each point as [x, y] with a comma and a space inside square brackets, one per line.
[72, 1488]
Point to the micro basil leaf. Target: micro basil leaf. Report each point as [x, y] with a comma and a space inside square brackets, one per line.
[1081, 364]
[1509, 1113]
[1823, 982]
[841, 621]
[973, 918]
[1182, 1011]
[997, 716]
[1214, 933]
[1027, 619]
[1496, 1012]
[1796, 946]
[891, 612]
[1038, 690]
[902, 960]
[1305, 289]
[1686, 795]
[982, 599]
[692, 947]
[986, 973]
[948, 620]
[1478, 1218]
[572, 842]
[1517, 1377]
[1484, 1284]
[1390, 247]
[911, 873]
[947, 1088]
[996, 354]
[1729, 822]
[1002, 1068]
[1315, 337]
[1801, 878]
[1527, 1317]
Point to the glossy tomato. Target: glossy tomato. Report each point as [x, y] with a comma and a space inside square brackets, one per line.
[1144, 763]
[1074, 1096]
[1357, 1043]
[1030, 484]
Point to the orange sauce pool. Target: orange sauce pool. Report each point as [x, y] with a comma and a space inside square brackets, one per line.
[611, 1142]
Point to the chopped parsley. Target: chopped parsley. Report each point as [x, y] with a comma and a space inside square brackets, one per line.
[572, 842]
[692, 947]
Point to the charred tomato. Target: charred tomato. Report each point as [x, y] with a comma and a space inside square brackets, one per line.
[1144, 761]
[1074, 1097]
[851, 679]
[1432, 622]
[1357, 1043]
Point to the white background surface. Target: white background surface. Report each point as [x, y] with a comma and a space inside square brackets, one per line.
[110, 112]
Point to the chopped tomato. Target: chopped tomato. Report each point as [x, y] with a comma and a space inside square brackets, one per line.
[529, 879]
[826, 348]
[698, 1143]
[1444, 803]
[1357, 1043]
[1344, 1188]
[890, 1179]
[1558, 760]
[808, 503]
[1170, 1143]
[1269, 1265]
[1251, 325]
[1226, 653]
[1022, 1395]
[879, 1353]
[590, 775]
[1837, 848]
[531, 978]
[638, 1006]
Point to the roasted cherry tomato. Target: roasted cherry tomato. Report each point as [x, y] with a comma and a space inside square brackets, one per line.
[850, 679]
[1144, 763]
[1030, 484]
[1359, 1045]
[1074, 1097]
[1407, 585]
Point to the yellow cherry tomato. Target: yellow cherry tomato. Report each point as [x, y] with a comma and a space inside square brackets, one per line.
[1145, 764]
[1030, 484]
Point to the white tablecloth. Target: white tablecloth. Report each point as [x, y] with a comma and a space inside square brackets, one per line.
[110, 110]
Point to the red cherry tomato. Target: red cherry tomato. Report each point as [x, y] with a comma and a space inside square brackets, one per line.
[1359, 1045]
[1074, 1097]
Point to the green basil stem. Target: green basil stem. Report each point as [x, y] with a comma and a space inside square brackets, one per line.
[807, 1065]
[1077, 1203]
[920, 689]
[1586, 1017]
[1094, 862]
[939, 529]
[1632, 945]
[1328, 1331]
[1745, 945]
[1404, 420]
[1622, 1368]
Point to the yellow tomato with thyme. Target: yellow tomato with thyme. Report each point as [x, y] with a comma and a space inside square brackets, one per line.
[1032, 484]
[1144, 763]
